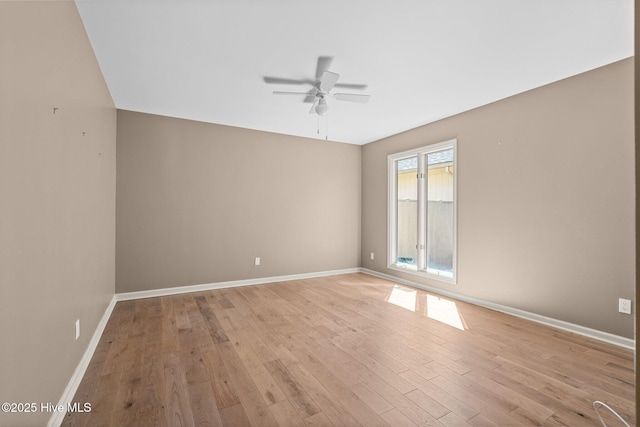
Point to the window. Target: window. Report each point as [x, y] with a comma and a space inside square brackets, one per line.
[422, 211]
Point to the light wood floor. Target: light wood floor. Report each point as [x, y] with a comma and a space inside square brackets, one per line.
[343, 350]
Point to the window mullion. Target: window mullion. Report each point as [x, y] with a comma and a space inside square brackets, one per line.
[422, 212]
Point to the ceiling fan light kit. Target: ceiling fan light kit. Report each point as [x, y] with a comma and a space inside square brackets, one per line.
[321, 107]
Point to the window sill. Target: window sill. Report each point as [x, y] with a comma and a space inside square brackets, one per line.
[414, 272]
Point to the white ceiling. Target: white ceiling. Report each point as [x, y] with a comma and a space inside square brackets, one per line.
[423, 60]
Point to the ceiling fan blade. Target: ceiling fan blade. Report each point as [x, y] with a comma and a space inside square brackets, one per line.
[353, 97]
[310, 99]
[313, 107]
[281, 81]
[324, 62]
[351, 86]
[328, 80]
[278, 92]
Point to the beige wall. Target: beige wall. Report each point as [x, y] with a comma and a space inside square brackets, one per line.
[57, 200]
[545, 199]
[197, 202]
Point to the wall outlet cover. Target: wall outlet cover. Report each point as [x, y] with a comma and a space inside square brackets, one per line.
[624, 306]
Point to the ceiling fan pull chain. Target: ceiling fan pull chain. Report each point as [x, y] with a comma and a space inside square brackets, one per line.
[326, 129]
[318, 132]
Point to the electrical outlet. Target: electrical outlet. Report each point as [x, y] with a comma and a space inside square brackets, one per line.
[257, 260]
[77, 328]
[624, 306]
[372, 256]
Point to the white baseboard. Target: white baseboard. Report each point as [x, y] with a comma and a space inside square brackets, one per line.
[559, 324]
[231, 284]
[70, 391]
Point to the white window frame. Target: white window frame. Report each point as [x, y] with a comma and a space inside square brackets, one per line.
[392, 214]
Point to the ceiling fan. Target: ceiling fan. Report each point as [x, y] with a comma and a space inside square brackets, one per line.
[324, 82]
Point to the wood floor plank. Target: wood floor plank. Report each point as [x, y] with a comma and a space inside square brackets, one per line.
[428, 403]
[481, 421]
[395, 418]
[401, 402]
[194, 366]
[255, 344]
[127, 401]
[179, 310]
[445, 399]
[203, 405]
[518, 397]
[261, 377]
[454, 420]
[330, 405]
[170, 341]
[176, 400]
[223, 389]
[285, 414]
[524, 417]
[216, 330]
[297, 395]
[250, 397]
[234, 416]
[374, 348]
[336, 351]
[497, 412]
[318, 420]
[278, 345]
[152, 396]
[392, 378]
[347, 398]
[371, 398]
[102, 407]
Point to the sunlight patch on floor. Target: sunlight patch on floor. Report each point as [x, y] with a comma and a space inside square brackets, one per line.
[436, 308]
[403, 297]
[444, 311]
